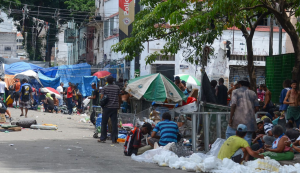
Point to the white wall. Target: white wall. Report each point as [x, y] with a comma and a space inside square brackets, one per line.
[62, 47]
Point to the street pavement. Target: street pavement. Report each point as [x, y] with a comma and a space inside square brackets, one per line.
[71, 148]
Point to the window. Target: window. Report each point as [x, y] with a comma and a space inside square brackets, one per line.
[111, 25]
[7, 48]
[168, 58]
[106, 28]
[19, 40]
[20, 47]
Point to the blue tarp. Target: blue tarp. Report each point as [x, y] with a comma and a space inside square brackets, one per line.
[49, 72]
[20, 67]
[49, 82]
[85, 88]
[73, 73]
[113, 70]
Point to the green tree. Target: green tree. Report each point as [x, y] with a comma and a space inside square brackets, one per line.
[81, 5]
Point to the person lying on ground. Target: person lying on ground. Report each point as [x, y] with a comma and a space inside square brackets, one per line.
[134, 138]
[279, 151]
[56, 103]
[237, 148]
[168, 131]
[292, 133]
[268, 126]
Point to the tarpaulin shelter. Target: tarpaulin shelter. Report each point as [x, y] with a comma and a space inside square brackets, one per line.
[48, 81]
[31, 74]
[73, 73]
[9, 61]
[116, 70]
[49, 72]
[86, 86]
[20, 67]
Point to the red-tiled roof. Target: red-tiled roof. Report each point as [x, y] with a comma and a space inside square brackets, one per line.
[112, 36]
[114, 15]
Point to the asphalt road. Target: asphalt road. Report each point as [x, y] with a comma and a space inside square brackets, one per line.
[71, 148]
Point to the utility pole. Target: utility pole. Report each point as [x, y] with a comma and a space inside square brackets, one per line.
[47, 55]
[24, 15]
[271, 37]
[55, 49]
[280, 39]
[36, 29]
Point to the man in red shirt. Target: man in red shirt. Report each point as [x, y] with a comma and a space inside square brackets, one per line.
[70, 98]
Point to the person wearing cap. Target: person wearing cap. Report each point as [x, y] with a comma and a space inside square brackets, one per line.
[221, 93]
[179, 84]
[258, 135]
[134, 138]
[24, 100]
[60, 90]
[268, 138]
[244, 104]
[237, 148]
[95, 95]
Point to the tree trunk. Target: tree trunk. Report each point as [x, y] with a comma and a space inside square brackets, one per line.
[251, 68]
[286, 24]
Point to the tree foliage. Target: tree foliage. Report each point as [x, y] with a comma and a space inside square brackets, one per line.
[81, 5]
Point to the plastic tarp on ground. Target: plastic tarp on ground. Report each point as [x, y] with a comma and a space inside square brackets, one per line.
[73, 73]
[86, 88]
[48, 81]
[20, 67]
[49, 72]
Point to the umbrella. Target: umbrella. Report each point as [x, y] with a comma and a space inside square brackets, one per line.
[102, 74]
[189, 79]
[51, 91]
[21, 77]
[155, 87]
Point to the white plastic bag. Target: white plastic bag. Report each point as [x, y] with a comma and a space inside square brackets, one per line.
[146, 156]
[215, 148]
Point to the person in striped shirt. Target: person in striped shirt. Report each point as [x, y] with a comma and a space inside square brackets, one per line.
[168, 131]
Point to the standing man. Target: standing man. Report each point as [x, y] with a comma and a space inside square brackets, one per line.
[110, 110]
[95, 95]
[268, 97]
[70, 98]
[221, 93]
[178, 83]
[61, 93]
[26, 95]
[293, 111]
[2, 87]
[286, 88]
[17, 86]
[244, 104]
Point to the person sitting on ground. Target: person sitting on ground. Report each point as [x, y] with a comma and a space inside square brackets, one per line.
[292, 133]
[56, 103]
[48, 103]
[259, 133]
[237, 148]
[168, 131]
[268, 126]
[279, 151]
[134, 138]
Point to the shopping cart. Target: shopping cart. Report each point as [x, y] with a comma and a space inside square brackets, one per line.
[93, 118]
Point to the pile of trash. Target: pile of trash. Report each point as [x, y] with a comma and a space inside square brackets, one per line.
[199, 162]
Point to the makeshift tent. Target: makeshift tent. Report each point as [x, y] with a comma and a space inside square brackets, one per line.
[116, 70]
[20, 67]
[86, 87]
[9, 80]
[73, 73]
[31, 74]
[49, 72]
[48, 81]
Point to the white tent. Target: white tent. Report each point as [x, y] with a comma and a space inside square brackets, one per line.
[31, 73]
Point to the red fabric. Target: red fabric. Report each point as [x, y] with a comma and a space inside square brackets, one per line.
[189, 100]
[68, 92]
[101, 74]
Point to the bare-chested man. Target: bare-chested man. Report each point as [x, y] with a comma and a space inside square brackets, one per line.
[268, 97]
[293, 111]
